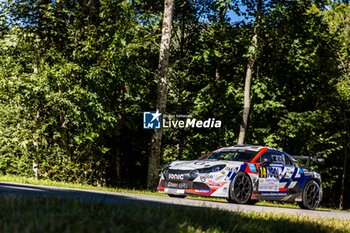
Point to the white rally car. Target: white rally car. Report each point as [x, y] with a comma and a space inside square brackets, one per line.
[243, 174]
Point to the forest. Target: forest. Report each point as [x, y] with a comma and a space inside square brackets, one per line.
[76, 77]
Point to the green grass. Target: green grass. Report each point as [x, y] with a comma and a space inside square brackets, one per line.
[25, 180]
[48, 214]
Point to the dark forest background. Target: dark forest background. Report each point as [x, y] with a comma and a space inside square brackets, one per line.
[77, 75]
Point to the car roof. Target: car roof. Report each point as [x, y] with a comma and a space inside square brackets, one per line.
[244, 147]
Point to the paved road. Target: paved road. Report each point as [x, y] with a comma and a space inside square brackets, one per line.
[112, 197]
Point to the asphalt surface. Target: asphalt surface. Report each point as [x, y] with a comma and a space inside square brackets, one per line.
[26, 190]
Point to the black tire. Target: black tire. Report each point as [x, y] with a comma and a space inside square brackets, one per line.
[240, 189]
[176, 196]
[311, 195]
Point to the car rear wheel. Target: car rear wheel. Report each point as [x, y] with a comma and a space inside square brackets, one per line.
[240, 189]
[176, 196]
[311, 196]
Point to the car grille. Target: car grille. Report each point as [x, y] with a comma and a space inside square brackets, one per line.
[201, 186]
[181, 179]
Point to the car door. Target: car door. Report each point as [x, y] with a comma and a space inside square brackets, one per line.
[275, 174]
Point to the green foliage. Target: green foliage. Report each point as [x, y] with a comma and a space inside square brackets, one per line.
[65, 95]
[338, 19]
[76, 77]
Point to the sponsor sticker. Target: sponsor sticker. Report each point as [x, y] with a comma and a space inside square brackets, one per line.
[174, 191]
[273, 194]
[178, 185]
[268, 185]
[213, 183]
[203, 178]
[252, 167]
[172, 176]
[202, 191]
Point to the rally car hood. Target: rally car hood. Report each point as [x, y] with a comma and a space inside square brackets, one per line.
[197, 164]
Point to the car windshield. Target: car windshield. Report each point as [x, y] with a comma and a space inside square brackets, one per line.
[243, 156]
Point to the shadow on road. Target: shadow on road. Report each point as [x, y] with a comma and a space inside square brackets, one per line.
[25, 208]
[85, 195]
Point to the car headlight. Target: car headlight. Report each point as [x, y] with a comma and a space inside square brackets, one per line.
[194, 174]
[216, 168]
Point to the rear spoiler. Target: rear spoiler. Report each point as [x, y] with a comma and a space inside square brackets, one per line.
[317, 159]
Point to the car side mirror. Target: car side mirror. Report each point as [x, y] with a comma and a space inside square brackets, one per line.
[265, 163]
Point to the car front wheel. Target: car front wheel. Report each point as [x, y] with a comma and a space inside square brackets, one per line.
[240, 189]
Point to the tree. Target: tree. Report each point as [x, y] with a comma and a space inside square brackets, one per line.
[71, 113]
[164, 53]
[338, 19]
[249, 74]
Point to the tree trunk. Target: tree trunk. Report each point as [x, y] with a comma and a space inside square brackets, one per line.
[164, 53]
[249, 75]
[345, 164]
[35, 169]
[36, 159]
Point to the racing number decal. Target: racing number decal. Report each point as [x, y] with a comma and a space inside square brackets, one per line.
[262, 172]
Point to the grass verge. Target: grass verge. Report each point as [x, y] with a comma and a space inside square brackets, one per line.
[48, 214]
[25, 180]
